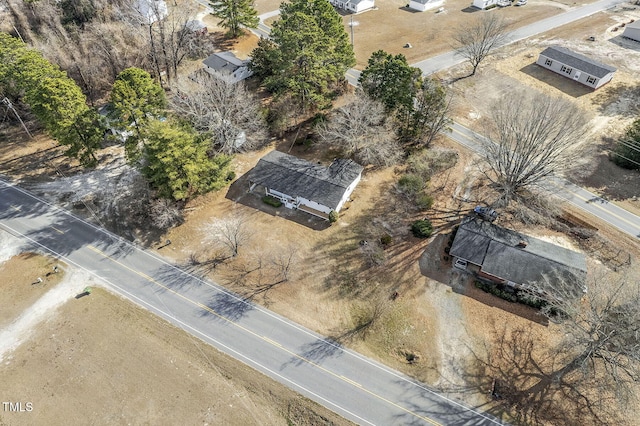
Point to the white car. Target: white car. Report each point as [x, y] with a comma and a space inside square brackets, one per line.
[521, 2]
[460, 264]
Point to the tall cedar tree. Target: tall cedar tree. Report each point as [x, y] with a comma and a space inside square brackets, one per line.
[308, 55]
[420, 105]
[136, 98]
[389, 79]
[54, 98]
[177, 163]
[235, 14]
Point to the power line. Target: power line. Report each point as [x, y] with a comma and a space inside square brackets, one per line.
[10, 106]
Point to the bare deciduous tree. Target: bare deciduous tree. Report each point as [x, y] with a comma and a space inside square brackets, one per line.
[595, 367]
[362, 131]
[282, 263]
[231, 233]
[480, 38]
[222, 107]
[165, 213]
[530, 137]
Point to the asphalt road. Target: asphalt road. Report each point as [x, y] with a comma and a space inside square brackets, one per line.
[354, 386]
[599, 207]
[449, 59]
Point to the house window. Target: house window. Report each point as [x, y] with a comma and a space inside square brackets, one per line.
[565, 69]
[591, 80]
[548, 62]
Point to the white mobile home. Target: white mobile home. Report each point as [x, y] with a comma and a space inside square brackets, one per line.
[423, 5]
[632, 31]
[575, 66]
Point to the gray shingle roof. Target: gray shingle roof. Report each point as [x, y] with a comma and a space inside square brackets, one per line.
[224, 61]
[495, 249]
[297, 177]
[577, 61]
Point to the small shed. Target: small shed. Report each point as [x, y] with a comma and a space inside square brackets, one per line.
[575, 66]
[303, 185]
[632, 31]
[423, 5]
[228, 63]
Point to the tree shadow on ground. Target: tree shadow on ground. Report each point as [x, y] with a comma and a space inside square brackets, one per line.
[227, 307]
[446, 409]
[239, 192]
[565, 85]
[618, 99]
[514, 371]
[316, 352]
[625, 42]
[611, 181]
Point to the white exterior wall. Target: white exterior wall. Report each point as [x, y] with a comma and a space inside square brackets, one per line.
[483, 4]
[348, 192]
[431, 4]
[362, 6]
[575, 74]
[287, 199]
[313, 205]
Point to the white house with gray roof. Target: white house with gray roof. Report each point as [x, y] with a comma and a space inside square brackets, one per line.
[227, 63]
[357, 6]
[510, 258]
[632, 31]
[423, 5]
[575, 66]
[306, 186]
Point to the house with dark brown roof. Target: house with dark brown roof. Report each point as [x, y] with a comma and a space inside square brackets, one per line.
[303, 185]
[575, 66]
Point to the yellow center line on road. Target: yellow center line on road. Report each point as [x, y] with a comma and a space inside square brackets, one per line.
[346, 379]
[586, 200]
[57, 230]
[271, 342]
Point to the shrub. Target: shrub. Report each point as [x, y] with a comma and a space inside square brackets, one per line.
[230, 176]
[422, 228]
[424, 201]
[411, 184]
[272, 201]
[385, 240]
[627, 150]
[428, 162]
[333, 216]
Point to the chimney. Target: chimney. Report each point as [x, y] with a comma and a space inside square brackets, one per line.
[522, 244]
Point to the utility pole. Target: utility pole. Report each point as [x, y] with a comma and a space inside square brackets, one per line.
[9, 105]
[352, 24]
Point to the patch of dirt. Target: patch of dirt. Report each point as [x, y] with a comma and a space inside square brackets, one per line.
[18, 289]
[391, 25]
[29, 318]
[611, 108]
[148, 371]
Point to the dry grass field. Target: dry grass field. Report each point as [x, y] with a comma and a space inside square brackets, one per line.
[102, 360]
[431, 331]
